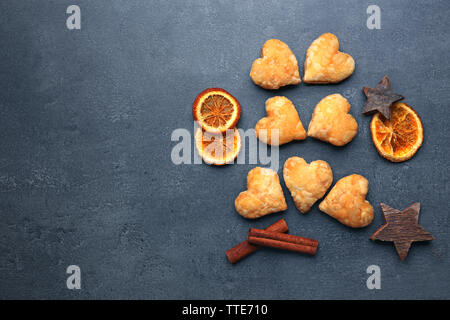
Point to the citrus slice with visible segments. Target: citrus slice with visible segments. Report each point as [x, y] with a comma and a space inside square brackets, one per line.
[218, 149]
[216, 110]
[398, 139]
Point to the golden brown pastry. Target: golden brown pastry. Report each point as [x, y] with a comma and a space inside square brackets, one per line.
[263, 195]
[347, 202]
[307, 182]
[331, 121]
[277, 66]
[325, 63]
[283, 118]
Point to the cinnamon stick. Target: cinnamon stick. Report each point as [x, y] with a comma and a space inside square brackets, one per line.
[244, 248]
[282, 241]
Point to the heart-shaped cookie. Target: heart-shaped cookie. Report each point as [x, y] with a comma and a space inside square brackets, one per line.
[263, 195]
[331, 121]
[277, 66]
[282, 120]
[325, 63]
[347, 202]
[307, 182]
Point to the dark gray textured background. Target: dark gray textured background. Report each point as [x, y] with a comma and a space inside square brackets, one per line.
[86, 176]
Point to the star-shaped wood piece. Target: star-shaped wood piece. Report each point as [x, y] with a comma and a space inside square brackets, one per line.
[402, 228]
[380, 98]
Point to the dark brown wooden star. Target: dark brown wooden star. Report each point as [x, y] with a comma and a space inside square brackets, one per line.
[402, 228]
[380, 98]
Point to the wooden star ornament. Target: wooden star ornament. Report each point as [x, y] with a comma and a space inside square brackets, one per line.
[402, 228]
[380, 98]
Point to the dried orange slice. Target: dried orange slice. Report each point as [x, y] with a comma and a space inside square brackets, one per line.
[398, 139]
[216, 110]
[218, 149]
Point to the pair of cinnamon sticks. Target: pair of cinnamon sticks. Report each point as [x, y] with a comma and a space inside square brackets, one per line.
[273, 236]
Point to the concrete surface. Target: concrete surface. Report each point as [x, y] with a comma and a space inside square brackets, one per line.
[86, 177]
